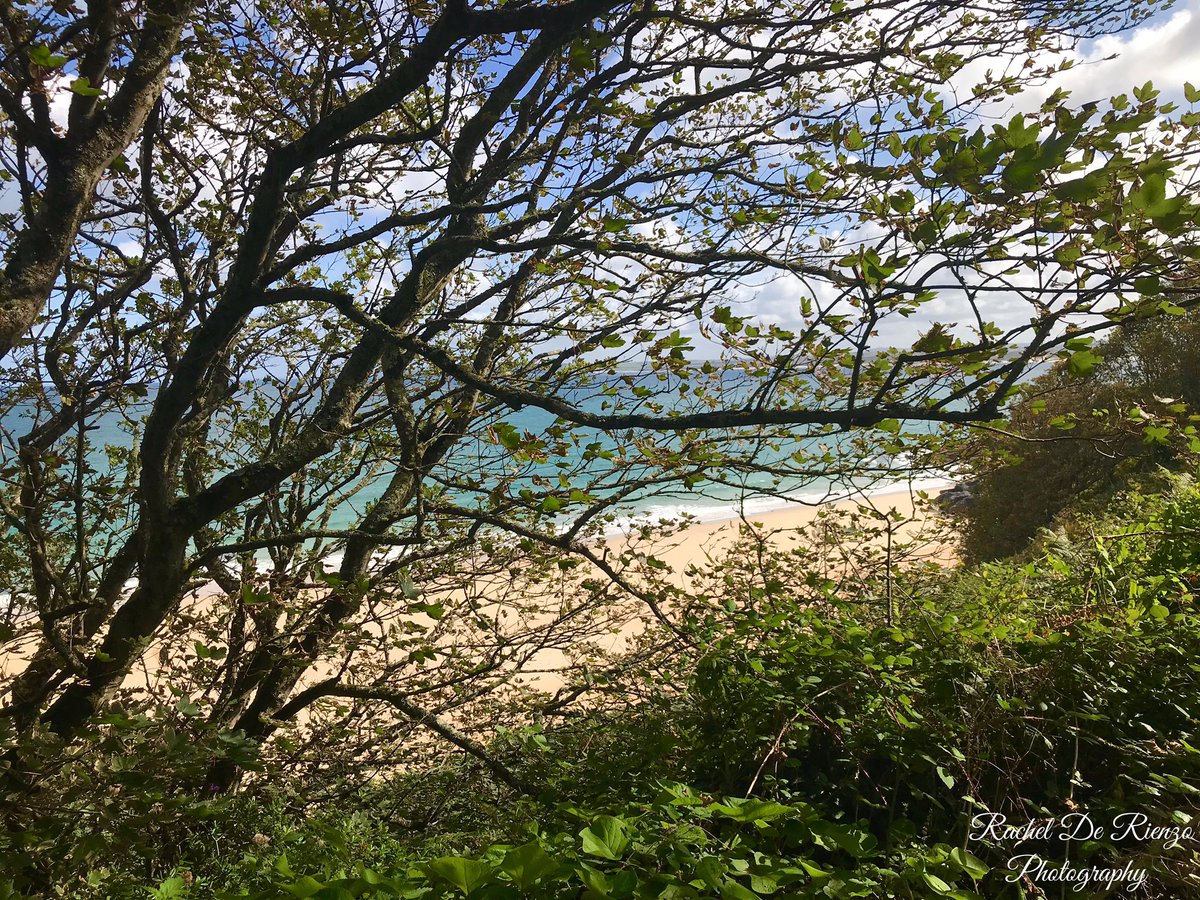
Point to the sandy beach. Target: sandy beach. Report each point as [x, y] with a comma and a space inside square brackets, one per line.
[917, 532]
[687, 552]
[702, 542]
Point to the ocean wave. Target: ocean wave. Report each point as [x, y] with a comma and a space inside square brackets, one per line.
[712, 511]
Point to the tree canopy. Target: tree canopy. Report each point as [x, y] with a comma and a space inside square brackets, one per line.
[289, 250]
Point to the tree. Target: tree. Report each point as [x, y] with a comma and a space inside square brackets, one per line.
[120, 54]
[346, 242]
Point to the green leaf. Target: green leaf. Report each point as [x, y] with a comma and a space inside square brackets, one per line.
[1147, 284]
[171, 888]
[936, 883]
[751, 810]
[1151, 197]
[304, 886]
[41, 56]
[527, 865]
[1083, 361]
[903, 202]
[935, 340]
[408, 587]
[283, 868]
[1022, 175]
[813, 869]
[1156, 434]
[1082, 189]
[83, 87]
[731, 890]
[605, 837]
[1017, 135]
[892, 426]
[595, 881]
[507, 435]
[464, 874]
[187, 707]
[969, 863]
[1068, 254]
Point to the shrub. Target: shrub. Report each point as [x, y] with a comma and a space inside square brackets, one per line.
[1078, 439]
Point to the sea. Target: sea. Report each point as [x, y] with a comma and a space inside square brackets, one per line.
[480, 462]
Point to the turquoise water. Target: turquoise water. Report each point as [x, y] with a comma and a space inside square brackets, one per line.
[479, 463]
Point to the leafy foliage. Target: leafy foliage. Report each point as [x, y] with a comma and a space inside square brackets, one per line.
[1078, 439]
[825, 753]
[333, 335]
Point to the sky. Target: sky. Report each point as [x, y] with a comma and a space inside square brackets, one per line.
[1165, 49]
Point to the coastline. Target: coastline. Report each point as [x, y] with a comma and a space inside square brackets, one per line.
[690, 550]
[701, 541]
[686, 551]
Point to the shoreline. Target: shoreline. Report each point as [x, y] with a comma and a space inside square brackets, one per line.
[697, 543]
[718, 512]
[687, 551]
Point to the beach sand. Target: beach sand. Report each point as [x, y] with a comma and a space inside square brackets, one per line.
[919, 535]
[704, 542]
[687, 552]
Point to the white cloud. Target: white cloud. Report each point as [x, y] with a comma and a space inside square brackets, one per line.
[1165, 50]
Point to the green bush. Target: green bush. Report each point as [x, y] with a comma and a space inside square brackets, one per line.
[1075, 440]
[789, 743]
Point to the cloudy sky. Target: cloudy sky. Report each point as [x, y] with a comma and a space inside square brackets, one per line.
[1165, 49]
